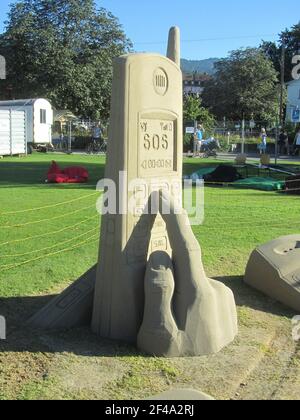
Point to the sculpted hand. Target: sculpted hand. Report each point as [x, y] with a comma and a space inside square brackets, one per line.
[186, 313]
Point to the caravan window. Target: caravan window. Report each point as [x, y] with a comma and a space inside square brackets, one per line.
[43, 116]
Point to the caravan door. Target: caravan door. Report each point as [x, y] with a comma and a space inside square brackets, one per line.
[18, 132]
[12, 132]
[4, 133]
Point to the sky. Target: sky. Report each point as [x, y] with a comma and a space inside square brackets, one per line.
[208, 28]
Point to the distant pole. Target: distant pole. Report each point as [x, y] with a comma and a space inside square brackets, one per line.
[276, 141]
[194, 138]
[280, 120]
[282, 72]
[70, 137]
[243, 135]
[228, 138]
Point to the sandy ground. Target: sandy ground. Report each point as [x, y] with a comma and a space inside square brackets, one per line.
[262, 363]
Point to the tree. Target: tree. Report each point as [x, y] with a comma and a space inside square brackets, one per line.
[63, 50]
[193, 111]
[245, 85]
[290, 40]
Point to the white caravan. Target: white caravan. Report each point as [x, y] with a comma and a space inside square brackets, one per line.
[38, 122]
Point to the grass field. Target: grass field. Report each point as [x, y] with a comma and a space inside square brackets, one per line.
[49, 236]
[42, 223]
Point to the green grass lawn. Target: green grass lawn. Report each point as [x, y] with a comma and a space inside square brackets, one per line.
[49, 233]
[49, 236]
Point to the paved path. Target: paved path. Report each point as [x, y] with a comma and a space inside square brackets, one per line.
[254, 157]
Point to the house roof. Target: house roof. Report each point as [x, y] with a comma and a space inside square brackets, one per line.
[64, 116]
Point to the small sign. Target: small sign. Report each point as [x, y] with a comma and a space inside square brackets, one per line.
[189, 130]
[296, 115]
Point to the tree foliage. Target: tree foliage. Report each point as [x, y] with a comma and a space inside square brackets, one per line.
[62, 50]
[194, 111]
[290, 39]
[245, 85]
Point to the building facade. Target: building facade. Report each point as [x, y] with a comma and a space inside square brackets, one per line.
[193, 84]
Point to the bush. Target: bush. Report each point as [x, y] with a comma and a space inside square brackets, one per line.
[188, 143]
[236, 139]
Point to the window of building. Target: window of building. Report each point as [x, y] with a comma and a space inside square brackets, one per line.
[43, 116]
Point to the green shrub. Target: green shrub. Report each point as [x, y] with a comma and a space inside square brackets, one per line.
[188, 145]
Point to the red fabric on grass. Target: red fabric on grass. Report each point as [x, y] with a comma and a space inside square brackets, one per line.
[54, 169]
[71, 175]
[76, 171]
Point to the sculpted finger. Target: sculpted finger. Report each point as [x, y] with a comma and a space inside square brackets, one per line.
[190, 279]
[158, 334]
[178, 225]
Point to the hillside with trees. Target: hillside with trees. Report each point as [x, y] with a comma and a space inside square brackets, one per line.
[199, 66]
